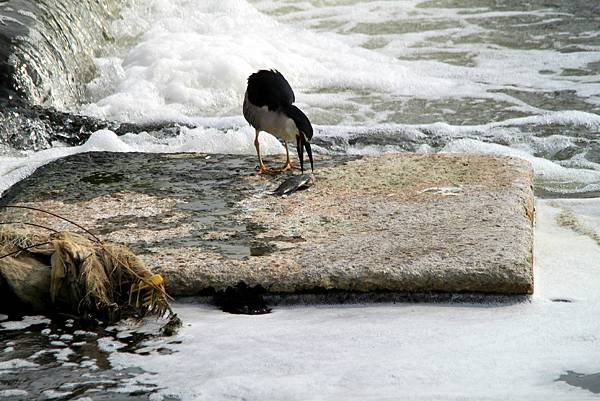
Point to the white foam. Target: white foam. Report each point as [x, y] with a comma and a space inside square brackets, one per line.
[17, 364]
[26, 322]
[472, 33]
[206, 140]
[586, 212]
[193, 60]
[63, 354]
[183, 60]
[375, 352]
[511, 126]
[52, 394]
[107, 344]
[85, 333]
[566, 117]
[13, 392]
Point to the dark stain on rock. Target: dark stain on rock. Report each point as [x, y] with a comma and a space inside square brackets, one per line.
[254, 228]
[564, 300]
[103, 178]
[262, 249]
[242, 300]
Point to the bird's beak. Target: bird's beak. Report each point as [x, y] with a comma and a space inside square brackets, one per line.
[302, 144]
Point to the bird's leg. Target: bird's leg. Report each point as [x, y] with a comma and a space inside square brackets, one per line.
[261, 167]
[288, 163]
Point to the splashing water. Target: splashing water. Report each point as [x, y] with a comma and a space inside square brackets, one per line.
[427, 76]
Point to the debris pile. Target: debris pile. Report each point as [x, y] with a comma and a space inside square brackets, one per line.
[68, 273]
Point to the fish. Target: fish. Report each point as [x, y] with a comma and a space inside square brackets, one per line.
[294, 183]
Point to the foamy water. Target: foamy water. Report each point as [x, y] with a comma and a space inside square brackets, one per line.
[191, 59]
[374, 77]
[508, 78]
[424, 351]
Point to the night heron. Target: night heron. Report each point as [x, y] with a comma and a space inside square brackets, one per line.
[268, 107]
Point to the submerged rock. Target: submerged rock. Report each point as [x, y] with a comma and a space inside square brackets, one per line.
[207, 223]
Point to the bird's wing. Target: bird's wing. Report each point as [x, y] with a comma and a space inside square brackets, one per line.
[302, 122]
[269, 88]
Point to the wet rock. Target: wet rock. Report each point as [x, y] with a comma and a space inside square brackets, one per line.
[29, 127]
[396, 223]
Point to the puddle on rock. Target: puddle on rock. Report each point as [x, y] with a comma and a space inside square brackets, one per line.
[103, 178]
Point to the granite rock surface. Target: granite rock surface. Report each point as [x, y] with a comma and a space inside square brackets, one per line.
[406, 223]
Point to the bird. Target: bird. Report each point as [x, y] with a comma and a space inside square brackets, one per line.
[268, 106]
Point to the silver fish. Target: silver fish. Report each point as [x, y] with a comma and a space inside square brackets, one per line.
[294, 183]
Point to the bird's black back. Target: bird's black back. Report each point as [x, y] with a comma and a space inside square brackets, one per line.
[269, 88]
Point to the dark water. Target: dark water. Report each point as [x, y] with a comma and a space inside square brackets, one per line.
[62, 360]
[590, 382]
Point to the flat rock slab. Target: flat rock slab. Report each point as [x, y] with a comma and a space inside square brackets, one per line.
[403, 223]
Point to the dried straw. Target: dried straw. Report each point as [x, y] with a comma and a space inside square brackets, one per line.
[87, 277]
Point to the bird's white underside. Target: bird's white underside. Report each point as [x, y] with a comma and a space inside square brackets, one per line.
[273, 122]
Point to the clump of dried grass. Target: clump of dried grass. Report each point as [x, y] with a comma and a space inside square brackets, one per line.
[87, 277]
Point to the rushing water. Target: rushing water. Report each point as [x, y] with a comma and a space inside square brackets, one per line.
[47, 47]
[493, 77]
[501, 77]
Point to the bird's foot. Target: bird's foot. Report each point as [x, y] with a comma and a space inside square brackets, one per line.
[270, 171]
[275, 171]
[287, 166]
